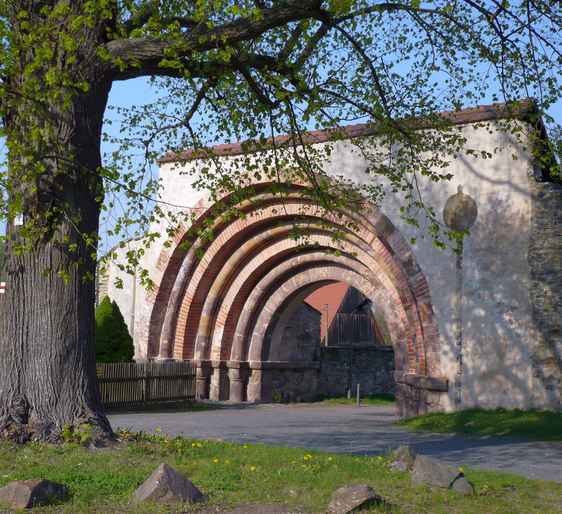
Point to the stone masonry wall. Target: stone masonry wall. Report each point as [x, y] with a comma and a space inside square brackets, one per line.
[301, 337]
[338, 370]
[545, 260]
[342, 368]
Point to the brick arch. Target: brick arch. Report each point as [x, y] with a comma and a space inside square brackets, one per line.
[307, 279]
[197, 280]
[177, 264]
[244, 293]
[193, 304]
[185, 263]
[201, 274]
[272, 248]
[275, 246]
[296, 289]
[247, 312]
[245, 234]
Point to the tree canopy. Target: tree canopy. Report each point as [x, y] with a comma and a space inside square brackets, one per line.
[237, 70]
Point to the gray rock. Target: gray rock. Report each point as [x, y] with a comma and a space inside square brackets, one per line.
[25, 494]
[435, 473]
[462, 485]
[347, 499]
[402, 458]
[166, 485]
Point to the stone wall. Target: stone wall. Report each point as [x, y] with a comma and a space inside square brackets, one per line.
[342, 368]
[338, 370]
[294, 384]
[301, 337]
[545, 260]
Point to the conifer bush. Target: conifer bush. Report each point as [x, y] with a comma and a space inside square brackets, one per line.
[113, 341]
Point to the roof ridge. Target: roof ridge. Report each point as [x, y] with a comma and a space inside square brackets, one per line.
[520, 109]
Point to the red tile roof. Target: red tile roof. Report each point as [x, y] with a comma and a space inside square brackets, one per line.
[331, 296]
[482, 113]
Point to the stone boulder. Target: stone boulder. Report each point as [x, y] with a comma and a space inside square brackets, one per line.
[348, 498]
[403, 459]
[25, 494]
[166, 485]
[435, 473]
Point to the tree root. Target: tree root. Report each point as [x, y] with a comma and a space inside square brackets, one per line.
[93, 431]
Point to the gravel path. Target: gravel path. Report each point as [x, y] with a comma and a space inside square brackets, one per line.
[357, 430]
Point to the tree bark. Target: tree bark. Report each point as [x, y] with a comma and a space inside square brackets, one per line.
[47, 361]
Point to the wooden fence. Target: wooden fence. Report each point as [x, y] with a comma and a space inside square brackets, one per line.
[129, 384]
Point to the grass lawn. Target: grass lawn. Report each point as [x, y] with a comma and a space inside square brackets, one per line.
[232, 474]
[373, 399]
[539, 425]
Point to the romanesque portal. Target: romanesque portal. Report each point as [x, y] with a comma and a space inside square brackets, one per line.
[225, 302]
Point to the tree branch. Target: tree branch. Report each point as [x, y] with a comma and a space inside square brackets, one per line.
[135, 57]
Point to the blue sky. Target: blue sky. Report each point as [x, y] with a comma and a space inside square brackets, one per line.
[139, 91]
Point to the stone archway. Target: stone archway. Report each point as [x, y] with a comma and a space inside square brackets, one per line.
[217, 298]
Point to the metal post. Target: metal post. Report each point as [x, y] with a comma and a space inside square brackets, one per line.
[458, 325]
[327, 309]
[459, 214]
[358, 394]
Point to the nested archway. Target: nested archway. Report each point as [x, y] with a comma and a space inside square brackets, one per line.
[218, 298]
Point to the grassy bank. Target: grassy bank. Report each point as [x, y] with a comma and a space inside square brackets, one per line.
[538, 425]
[373, 399]
[231, 474]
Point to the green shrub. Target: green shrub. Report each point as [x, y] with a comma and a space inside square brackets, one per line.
[113, 342]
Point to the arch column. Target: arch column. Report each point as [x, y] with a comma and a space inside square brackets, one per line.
[219, 381]
[238, 376]
[259, 385]
[202, 380]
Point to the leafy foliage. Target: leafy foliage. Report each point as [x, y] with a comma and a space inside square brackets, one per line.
[255, 70]
[113, 342]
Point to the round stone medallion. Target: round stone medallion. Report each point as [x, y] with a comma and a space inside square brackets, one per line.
[460, 211]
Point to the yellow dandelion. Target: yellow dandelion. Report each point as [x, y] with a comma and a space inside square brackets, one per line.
[216, 461]
[252, 468]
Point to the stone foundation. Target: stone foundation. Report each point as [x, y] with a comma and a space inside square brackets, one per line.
[343, 367]
[416, 395]
[339, 369]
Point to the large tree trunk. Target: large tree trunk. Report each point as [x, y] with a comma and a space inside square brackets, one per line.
[47, 361]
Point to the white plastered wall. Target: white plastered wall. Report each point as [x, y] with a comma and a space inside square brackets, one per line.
[498, 331]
